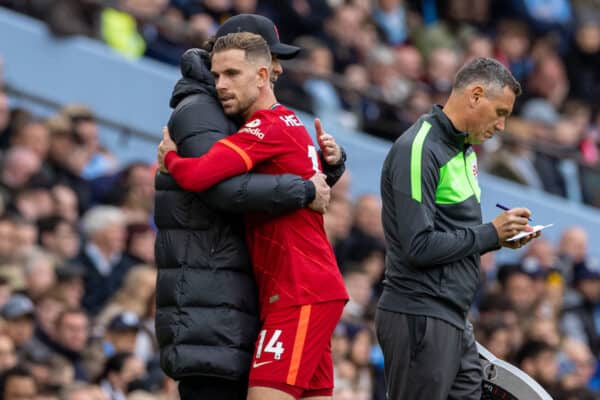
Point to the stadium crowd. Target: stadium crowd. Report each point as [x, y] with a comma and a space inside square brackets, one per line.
[77, 268]
[379, 64]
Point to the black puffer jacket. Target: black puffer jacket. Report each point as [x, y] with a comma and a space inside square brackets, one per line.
[207, 316]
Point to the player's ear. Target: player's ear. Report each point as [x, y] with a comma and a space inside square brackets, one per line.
[264, 76]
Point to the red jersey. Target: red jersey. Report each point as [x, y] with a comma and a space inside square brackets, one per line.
[292, 257]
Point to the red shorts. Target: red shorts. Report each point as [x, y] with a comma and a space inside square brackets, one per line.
[293, 350]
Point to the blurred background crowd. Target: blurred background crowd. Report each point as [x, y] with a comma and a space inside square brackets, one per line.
[77, 270]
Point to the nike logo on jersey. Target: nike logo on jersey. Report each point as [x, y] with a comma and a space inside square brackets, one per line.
[260, 364]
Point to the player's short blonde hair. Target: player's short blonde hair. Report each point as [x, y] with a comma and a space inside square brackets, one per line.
[254, 46]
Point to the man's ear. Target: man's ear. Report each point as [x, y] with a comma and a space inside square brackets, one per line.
[264, 76]
[476, 93]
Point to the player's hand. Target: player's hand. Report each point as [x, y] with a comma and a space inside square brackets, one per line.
[511, 222]
[331, 150]
[166, 145]
[323, 193]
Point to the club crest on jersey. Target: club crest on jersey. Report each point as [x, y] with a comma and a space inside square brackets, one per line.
[475, 169]
[290, 120]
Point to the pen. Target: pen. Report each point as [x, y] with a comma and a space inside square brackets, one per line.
[506, 209]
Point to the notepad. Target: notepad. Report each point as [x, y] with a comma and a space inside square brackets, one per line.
[523, 234]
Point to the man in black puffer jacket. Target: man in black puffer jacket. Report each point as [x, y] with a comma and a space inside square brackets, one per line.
[207, 313]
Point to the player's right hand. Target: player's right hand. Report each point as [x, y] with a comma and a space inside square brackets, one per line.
[331, 150]
[511, 222]
[323, 193]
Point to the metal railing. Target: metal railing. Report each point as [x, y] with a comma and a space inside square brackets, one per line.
[125, 131]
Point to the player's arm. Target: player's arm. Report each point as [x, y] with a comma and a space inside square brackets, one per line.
[194, 134]
[414, 176]
[199, 173]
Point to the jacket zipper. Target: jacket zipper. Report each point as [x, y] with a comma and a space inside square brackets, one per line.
[467, 171]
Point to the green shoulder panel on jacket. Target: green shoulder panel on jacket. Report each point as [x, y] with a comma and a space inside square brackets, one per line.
[458, 180]
[416, 155]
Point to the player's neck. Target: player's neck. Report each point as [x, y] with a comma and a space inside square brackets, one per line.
[263, 102]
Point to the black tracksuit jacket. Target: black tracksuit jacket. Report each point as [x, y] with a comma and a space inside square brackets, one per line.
[432, 222]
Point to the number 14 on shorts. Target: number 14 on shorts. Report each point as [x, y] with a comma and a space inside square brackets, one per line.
[273, 344]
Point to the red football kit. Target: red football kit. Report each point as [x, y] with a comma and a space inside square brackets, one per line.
[294, 264]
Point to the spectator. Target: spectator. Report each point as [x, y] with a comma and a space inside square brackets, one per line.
[8, 355]
[390, 16]
[18, 313]
[74, 17]
[102, 255]
[18, 383]
[47, 309]
[39, 273]
[133, 296]
[518, 287]
[32, 135]
[121, 333]
[582, 58]
[442, 65]
[579, 321]
[319, 59]
[539, 360]
[366, 235]
[120, 371]
[66, 160]
[4, 113]
[83, 391]
[18, 167]
[26, 235]
[548, 80]
[578, 366]
[33, 202]
[513, 45]
[140, 243]
[85, 133]
[340, 34]
[121, 30]
[572, 250]
[59, 236]
[358, 284]
[71, 339]
[132, 189]
[66, 202]
[478, 45]
[7, 240]
[70, 282]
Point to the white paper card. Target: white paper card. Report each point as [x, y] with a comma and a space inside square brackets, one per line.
[523, 234]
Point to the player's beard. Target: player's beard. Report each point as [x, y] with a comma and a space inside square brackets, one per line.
[245, 105]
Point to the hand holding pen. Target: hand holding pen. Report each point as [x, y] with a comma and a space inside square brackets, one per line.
[508, 209]
[510, 223]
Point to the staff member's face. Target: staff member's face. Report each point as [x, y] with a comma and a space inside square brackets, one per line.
[237, 80]
[489, 108]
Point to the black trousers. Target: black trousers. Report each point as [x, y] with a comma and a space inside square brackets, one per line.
[428, 359]
[211, 388]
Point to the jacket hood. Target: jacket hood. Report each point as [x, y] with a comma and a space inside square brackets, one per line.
[195, 76]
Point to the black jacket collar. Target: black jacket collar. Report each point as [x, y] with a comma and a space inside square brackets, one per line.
[196, 76]
[453, 135]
